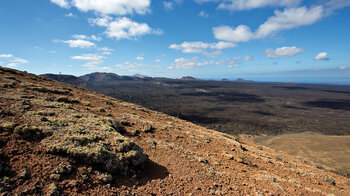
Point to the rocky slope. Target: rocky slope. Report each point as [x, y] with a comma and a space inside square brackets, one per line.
[58, 139]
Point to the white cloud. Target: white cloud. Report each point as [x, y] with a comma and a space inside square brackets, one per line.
[253, 4]
[242, 33]
[203, 14]
[102, 21]
[157, 60]
[88, 57]
[321, 56]
[168, 5]
[202, 47]
[124, 28]
[116, 7]
[79, 43]
[195, 62]
[70, 15]
[282, 52]
[140, 58]
[6, 55]
[18, 60]
[188, 63]
[85, 37]
[11, 61]
[288, 19]
[61, 3]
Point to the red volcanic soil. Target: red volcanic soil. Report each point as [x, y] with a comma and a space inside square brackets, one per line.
[182, 158]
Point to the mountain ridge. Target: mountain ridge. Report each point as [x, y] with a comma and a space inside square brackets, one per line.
[182, 158]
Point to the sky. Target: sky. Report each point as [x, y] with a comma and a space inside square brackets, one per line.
[266, 40]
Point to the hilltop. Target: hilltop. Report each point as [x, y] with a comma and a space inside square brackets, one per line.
[60, 139]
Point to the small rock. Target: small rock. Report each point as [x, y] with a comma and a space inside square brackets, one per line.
[148, 129]
[24, 174]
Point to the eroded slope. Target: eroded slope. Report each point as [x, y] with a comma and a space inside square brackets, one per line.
[56, 138]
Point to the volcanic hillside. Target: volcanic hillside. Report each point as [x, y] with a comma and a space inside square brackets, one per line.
[59, 139]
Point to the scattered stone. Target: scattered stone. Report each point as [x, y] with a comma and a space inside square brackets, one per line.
[203, 160]
[243, 148]
[148, 129]
[24, 174]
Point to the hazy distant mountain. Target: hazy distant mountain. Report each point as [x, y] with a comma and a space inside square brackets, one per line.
[242, 80]
[140, 76]
[187, 78]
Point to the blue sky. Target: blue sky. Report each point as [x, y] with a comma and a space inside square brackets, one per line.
[255, 39]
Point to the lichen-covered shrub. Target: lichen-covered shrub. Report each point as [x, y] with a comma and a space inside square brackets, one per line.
[7, 126]
[94, 141]
[28, 132]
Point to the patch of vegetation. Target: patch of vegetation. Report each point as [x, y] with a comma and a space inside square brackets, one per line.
[47, 90]
[94, 141]
[28, 132]
[109, 102]
[46, 113]
[7, 126]
[53, 190]
[8, 85]
[25, 104]
[13, 71]
[67, 100]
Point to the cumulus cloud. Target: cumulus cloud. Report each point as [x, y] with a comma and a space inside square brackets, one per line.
[157, 60]
[78, 43]
[61, 3]
[9, 60]
[322, 56]
[242, 33]
[290, 18]
[88, 57]
[282, 20]
[282, 52]
[116, 7]
[124, 28]
[202, 47]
